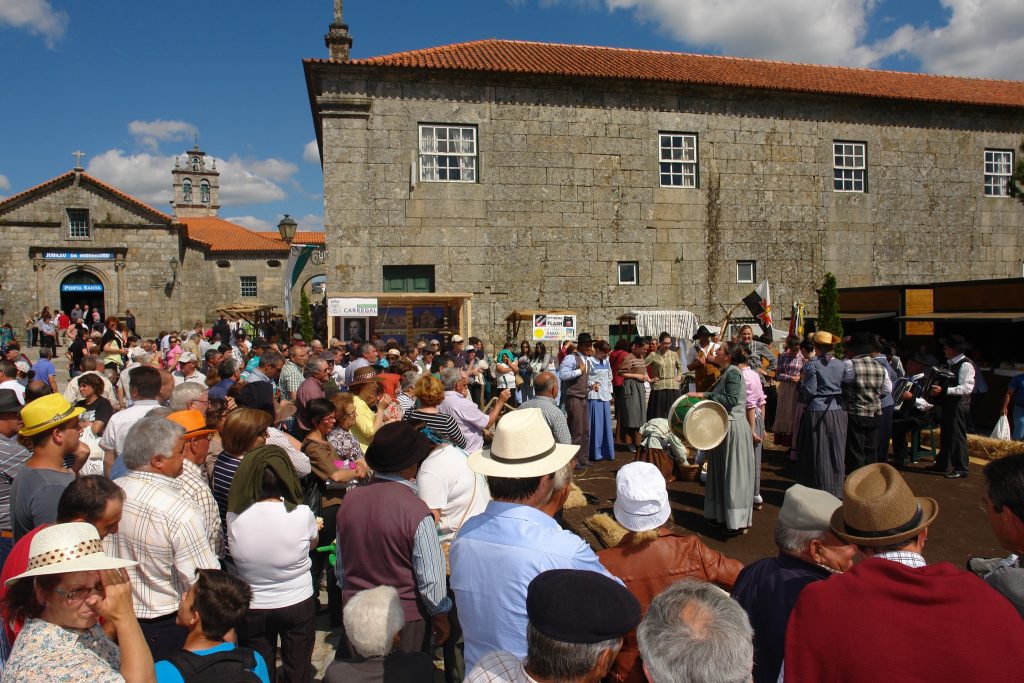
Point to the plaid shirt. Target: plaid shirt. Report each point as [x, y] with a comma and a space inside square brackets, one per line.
[863, 394]
[499, 667]
[290, 379]
[196, 487]
[163, 531]
[904, 557]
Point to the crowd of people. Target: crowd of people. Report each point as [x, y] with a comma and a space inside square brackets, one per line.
[189, 503]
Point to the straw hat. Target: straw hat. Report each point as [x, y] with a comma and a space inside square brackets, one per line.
[363, 375]
[880, 509]
[522, 447]
[641, 497]
[47, 412]
[193, 422]
[827, 338]
[64, 548]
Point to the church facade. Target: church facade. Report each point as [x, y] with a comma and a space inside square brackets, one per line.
[75, 239]
[601, 180]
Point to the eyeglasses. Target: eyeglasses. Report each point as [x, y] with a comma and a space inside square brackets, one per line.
[79, 594]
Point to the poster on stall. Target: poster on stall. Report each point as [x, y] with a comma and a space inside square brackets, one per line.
[554, 327]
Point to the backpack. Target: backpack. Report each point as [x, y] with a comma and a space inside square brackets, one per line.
[231, 666]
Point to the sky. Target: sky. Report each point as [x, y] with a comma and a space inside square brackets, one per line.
[133, 83]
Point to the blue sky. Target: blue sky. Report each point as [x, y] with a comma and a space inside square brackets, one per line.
[131, 83]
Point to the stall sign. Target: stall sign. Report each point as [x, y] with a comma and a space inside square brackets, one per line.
[554, 327]
[352, 307]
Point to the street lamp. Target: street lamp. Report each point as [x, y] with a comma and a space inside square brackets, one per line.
[287, 228]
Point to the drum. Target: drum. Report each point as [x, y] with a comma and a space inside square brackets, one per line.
[698, 423]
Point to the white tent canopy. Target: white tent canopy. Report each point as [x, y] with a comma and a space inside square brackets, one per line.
[680, 324]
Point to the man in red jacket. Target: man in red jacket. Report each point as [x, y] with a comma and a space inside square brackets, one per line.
[893, 616]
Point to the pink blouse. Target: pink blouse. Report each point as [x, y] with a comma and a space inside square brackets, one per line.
[755, 393]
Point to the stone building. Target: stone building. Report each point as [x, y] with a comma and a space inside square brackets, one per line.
[543, 176]
[75, 239]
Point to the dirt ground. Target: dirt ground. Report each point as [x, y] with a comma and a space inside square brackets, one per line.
[961, 529]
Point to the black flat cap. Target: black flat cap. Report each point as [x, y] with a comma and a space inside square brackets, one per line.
[578, 606]
[397, 445]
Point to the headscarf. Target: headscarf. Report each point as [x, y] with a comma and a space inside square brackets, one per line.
[247, 485]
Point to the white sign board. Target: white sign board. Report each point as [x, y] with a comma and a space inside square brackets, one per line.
[350, 307]
[554, 327]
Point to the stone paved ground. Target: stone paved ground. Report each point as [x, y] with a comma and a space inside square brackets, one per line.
[961, 529]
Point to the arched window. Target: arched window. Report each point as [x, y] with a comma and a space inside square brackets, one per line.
[204, 191]
[186, 188]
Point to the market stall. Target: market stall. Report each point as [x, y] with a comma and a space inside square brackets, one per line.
[405, 317]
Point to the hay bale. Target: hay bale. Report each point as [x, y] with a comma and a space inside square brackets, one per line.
[576, 498]
[608, 531]
[984, 448]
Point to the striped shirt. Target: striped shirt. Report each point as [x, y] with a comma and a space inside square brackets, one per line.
[443, 426]
[223, 474]
[12, 458]
[163, 531]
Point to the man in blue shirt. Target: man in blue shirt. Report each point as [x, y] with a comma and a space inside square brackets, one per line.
[44, 370]
[498, 552]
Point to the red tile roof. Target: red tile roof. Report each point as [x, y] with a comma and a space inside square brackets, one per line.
[512, 56]
[68, 177]
[217, 235]
[301, 236]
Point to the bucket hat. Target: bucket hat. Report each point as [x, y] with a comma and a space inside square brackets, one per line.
[45, 413]
[641, 497]
[193, 421]
[880, 509]
[71, 547]
[522, 447]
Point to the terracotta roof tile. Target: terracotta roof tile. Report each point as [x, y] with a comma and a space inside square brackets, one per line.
[90, 179]
[301, 236]
[510, 56]
[217, 235]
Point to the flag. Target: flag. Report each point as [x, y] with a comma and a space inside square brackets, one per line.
[759, 302]
[796, 321]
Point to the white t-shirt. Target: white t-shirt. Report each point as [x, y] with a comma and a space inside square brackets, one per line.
[271, 550]
[446, 483]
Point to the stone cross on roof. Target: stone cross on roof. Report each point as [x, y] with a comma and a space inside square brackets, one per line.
[78, 159]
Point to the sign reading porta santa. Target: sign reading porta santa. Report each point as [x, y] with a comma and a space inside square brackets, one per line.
[352, 307]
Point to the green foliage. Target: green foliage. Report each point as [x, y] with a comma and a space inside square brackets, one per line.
[828, 310]
[305, 319]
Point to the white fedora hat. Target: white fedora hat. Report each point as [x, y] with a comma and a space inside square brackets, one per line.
[71, 547]
[523, 447]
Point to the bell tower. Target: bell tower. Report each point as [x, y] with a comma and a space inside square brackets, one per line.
[196, 184]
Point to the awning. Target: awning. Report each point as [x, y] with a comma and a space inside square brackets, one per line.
[970, 316]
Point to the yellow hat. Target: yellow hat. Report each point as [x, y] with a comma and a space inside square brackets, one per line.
[46, 412]
[826, 338]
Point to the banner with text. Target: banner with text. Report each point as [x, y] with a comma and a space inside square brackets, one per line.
[352, 307]
[554, 327]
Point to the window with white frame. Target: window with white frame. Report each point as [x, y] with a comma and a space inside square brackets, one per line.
[448, 153]
[746, 272]
[678, 159]
[78, 224]
[629, 272]
[247, 286]
[849, 167]
[998, 169]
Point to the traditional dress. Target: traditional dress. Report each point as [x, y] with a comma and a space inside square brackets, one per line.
[634, 398]
[821, 455]
[599, 406]
[729, 494]
[704, 376]
[664, 392]
[788, 374]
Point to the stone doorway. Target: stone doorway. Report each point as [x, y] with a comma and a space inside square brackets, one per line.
[83, 288]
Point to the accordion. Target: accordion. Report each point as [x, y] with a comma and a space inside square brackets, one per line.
[940, 377]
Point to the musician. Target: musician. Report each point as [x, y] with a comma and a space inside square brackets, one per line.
[955, 402]
[705, 374]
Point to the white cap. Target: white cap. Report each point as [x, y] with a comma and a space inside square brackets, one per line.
[807, 509]
[641, 497]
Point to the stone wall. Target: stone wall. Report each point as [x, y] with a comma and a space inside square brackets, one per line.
[209, 284]
[569, 185]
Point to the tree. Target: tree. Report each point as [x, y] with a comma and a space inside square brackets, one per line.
[305, 319]
[828, 309]
[1015, 186]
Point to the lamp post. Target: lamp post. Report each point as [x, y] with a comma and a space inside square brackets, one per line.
[287, 228]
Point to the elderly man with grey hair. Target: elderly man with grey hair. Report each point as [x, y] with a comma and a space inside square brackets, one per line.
[693, 631]
[768, 589]
[407, 391]
[545, 391]
[373, 619]
[161, 529]
[318, 373]
[189, 396]
[471, 420]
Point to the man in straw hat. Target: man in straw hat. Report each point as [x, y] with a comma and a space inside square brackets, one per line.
[955, 402]
[161, 529]
[808, 551]
[498, 552]
[577, 623]
[52, 425]
[387, 536]
[880, 617]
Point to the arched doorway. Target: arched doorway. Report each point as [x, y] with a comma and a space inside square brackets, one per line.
[82, 287]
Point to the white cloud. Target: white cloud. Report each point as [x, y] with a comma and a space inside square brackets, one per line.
[5, 184]
[150, 134]
[980, 39]
[253, 223]
[273, 169]
[311, 153]
[37, 17]
[976, 37]
[311, 222]
[148, 177]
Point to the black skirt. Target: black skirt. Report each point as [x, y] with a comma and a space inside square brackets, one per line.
[661, 402]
